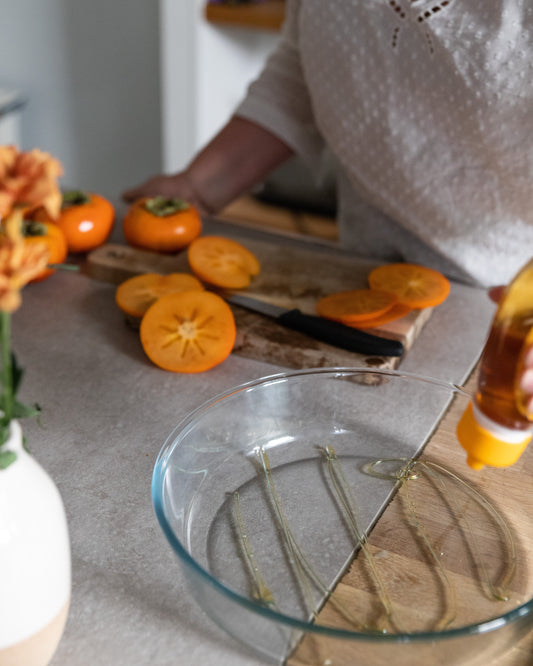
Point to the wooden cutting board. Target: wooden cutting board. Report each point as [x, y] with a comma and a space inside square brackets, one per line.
[292, 276]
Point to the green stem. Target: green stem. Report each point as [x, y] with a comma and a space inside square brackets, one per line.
[75, 198]
[163, 206]
[7, 368]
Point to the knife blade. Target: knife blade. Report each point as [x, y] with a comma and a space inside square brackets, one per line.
[319, 328]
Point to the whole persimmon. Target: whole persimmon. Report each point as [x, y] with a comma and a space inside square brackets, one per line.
[52, 237]
[161, 224]
[86, 219]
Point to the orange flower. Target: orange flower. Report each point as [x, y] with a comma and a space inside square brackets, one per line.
[19, 262]
[29, 180]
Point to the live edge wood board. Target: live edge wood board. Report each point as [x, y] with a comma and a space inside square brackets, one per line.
[291, 276]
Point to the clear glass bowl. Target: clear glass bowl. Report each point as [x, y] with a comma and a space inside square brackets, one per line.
[315, 526]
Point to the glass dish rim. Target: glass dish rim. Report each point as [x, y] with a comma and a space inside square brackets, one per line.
[180, 551]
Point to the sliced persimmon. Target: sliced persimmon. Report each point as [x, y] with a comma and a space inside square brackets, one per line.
[222, 262]
[191, 331]
[414, 285]
[136, 294]
[355, 305]
[397, 311]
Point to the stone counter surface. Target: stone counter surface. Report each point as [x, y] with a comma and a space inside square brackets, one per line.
[106, 412]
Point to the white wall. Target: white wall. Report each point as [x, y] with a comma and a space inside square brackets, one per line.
[121, 89]
[203, 82]
[90, 72]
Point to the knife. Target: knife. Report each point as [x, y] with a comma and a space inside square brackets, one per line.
[114, 264]
[320, 328]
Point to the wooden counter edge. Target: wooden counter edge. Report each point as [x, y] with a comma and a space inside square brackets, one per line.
[268, 15]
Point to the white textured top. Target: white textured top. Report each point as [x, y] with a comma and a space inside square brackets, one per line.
[427, 108]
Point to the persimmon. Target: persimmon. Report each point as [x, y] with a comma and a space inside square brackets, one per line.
[85, 218]
[397, 311]
[414, 285]
[191, 331]
[135, 295]
[161, 224]
[52, 237]
[222, 262]
[355, 305]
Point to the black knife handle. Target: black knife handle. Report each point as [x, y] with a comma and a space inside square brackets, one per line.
[339, 335]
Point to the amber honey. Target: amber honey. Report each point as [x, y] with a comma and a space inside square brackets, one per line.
[497, 427]
[497, 394]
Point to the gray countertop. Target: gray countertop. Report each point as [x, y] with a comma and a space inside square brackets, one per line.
[106, 411]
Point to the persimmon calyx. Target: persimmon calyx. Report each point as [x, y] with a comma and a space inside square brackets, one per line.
[164, 206]
[33, 228]
[75, 198]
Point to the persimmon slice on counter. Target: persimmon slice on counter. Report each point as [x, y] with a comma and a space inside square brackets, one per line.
[222, 262]
[414, 285]
[190, 331]
[355, 305]
[135, 295]
[397, 311]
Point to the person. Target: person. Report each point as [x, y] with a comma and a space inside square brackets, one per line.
[425, 110]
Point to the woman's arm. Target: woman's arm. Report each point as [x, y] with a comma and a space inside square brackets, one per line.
[236, 159]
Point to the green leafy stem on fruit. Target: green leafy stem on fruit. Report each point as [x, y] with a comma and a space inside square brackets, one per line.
[163, 206]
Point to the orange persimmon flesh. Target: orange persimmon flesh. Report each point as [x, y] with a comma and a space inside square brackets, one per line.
[414, 285]
[355, 305]
[222, 262]
[191, 331]
[135, 295]
[397, 311]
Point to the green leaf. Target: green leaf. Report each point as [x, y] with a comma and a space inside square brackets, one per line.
[5, 432]
[6, 458]
[25, 411]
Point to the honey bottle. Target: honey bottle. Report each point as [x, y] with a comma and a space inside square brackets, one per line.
[497, 426]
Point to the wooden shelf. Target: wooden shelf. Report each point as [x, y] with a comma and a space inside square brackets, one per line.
[268, 15]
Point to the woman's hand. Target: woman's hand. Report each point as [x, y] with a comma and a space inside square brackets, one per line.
[177, 186]
[240, 156]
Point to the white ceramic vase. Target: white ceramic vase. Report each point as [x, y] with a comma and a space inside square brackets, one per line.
[34, 561]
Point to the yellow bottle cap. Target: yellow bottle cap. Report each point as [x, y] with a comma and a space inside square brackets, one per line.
[484, 447]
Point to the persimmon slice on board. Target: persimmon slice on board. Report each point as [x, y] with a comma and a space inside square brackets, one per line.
[397, 311]
[190, 331]
[135, 295]
[415, 286]
[222, 262]
[355, 305]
